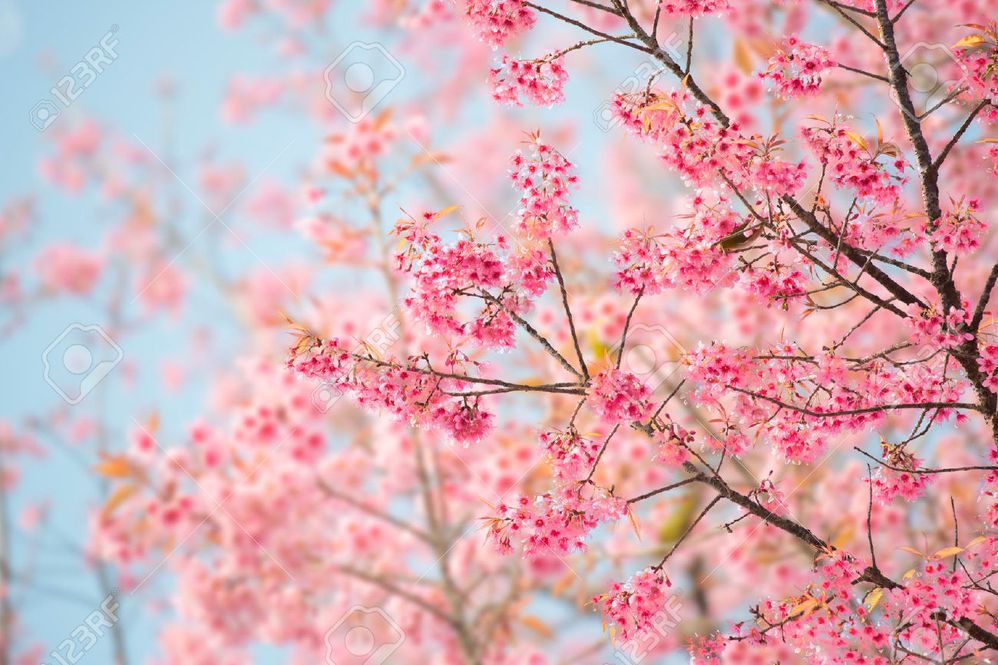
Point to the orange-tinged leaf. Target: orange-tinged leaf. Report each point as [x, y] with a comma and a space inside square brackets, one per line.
[338, 168]
[382, 119]
[874, 598]
[908, 575]
[114, 467]
[970, 40]
[118, 497]
[988, 140]
[912, 550]
[743, 57]
[537, 625]
[857, 139]
[975, 542]
[634, 523]
[446, 211]
[563, 583]
[880, 132]
[807, 606]
[843, 538]
[152, 425]
[947, 551]
[663, 105]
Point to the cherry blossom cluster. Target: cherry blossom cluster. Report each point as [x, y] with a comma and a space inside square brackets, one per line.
[691, 258]
[640, 257]
[850, 164]
[499, 20]
[616, 396]
[873, 227]
[959, 229]
[777, 176]
[694, 7]
[632, 607]
[795, 69]
[835, 623]
[936, 331]
[572, 456]
[774, 281]
[828, 624]
[555, 523]
[673, 442]
[689, 140]
[408, 391]
[979, 63]
[988, 364]
[544, 177]
[702, 149]
[530, 269]
[900, 477]
[440, 273]
[539, 81]
[758, 386]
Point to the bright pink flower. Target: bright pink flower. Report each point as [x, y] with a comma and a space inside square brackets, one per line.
[617, 396]
[539, 81]
[499, 20]
[796, 68]
[633, 607]
[694, 7]
[544, 177]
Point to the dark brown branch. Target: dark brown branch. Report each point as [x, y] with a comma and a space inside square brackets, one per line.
[689, 530]
[863, 72]
[982, 303]
[953, 469]
[627, 326]
[568, 310]
[583, 26]
[667, 488]
[869, 519]
[859, 411]
[959, 134]
[530, 330]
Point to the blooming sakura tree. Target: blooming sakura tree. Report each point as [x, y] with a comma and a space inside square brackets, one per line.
[873, 249]
[729, 389]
